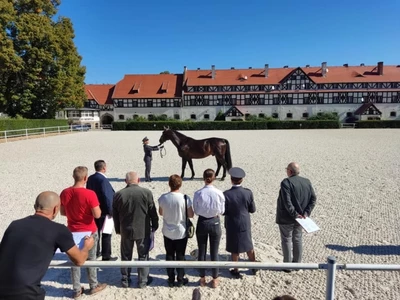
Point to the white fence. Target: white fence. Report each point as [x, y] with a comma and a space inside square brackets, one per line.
[331, 266]
[21, 133]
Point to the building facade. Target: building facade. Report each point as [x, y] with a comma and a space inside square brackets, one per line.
[282, 93]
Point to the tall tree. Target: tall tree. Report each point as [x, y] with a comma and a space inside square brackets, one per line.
[42, 70]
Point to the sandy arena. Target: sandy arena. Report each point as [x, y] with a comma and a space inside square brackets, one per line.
[355, 174]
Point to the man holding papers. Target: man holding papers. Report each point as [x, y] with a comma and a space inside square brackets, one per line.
[296, 201]
[99, 183]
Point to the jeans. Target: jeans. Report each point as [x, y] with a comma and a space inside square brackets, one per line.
[175, 251]
[91, 272]
[291, 234]
[208, 228]
[143, 246]
[104, 243]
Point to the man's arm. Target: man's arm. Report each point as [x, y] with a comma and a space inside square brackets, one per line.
[160, 211]
[311, 204]
[108, 192]
[96, 212]
[286, 199]
[190, 212]
[115, 213]
[78, 257]
[252, 204]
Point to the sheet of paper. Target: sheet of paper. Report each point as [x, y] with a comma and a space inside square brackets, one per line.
[308, 225]
[108, 225]
[79, 238]
[151, 241]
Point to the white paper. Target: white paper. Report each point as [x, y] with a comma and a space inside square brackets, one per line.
[108, 225]
[79, 239]
[308, 225]
[151, 241]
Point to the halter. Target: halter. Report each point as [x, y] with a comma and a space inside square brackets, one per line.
[165, 152]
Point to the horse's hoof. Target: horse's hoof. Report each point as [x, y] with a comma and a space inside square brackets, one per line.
[223, 178]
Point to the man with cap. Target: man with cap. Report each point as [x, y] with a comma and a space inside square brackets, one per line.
[148, 156]
[239, 203]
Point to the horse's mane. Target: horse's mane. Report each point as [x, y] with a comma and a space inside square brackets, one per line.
[180, 135]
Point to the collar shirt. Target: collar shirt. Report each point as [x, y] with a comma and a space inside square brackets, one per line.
[102, 174]
[209, 202]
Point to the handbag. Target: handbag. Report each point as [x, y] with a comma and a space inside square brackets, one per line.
[189, 224]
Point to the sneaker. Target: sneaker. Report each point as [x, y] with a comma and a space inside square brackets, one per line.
[182, 282]
[98, 288]
[78, 294]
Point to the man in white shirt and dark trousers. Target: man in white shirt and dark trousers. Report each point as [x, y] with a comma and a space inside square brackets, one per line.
[208, 204]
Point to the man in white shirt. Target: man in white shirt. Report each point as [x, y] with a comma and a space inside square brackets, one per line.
[175, 208]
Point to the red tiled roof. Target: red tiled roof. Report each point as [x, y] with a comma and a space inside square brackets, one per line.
[101, 93]
[335, 74]
[149, 86]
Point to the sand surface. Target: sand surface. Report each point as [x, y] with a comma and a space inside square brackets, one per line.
[355, 174]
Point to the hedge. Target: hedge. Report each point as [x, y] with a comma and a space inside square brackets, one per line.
[223, 125]
[12, 124]
[378, 124]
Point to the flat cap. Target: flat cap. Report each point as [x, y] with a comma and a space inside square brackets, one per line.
[145, 139]
[237, 172]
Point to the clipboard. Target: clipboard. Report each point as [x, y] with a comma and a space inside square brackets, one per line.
[308, 225]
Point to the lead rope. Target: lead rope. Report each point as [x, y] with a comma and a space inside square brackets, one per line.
[161, 152]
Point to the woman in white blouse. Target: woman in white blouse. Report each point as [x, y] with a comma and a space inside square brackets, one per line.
[208, 204]
[172, 208]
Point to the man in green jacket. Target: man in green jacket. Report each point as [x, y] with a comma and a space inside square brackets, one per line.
[135, 217]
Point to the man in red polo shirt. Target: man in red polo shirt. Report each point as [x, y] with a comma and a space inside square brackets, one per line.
[81, 207]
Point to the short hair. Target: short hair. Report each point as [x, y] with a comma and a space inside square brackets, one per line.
[284, 297]
[80, 173]
[99, 165]
[209, 175]
[294, 168]
[175, 182]
[132, 177]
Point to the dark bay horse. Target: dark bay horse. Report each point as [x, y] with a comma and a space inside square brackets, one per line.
[189, 148]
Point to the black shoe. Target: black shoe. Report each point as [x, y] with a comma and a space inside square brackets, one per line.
[171, 283]
[254, 271]
[182, 282]
[236, 274]
[125, 283]
[287, 271]
[109, 259]
[98, 256]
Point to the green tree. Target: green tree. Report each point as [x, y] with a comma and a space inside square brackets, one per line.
[40, 69]
[165, 72]
[324, 116]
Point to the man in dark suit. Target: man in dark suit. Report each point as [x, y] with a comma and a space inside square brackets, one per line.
[296, 200]
[239, 204]
[135, 217]
[99, 183]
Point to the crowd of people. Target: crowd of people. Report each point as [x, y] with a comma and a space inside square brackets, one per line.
[29, 244]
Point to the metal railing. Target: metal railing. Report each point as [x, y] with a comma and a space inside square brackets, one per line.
[331, 267]
[27, 132]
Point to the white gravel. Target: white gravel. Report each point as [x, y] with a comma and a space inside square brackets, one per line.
[355, 174]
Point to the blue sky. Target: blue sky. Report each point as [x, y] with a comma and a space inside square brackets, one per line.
[140, 37]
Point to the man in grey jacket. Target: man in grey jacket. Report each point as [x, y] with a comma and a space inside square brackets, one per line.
[296, 200]
[135, 217]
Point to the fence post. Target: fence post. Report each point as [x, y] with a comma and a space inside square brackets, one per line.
[330, 281]
[26, 133]
[44, 131]
[5, 135]
[58, 129]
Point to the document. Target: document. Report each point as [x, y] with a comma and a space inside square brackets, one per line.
[308, 225]
[108, 225]
[79, 238]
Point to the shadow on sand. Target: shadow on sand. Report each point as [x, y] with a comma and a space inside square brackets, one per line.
[368, 249]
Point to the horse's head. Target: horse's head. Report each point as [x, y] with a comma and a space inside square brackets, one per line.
[166, 135]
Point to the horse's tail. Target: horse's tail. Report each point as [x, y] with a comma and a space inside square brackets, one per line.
[228, 157]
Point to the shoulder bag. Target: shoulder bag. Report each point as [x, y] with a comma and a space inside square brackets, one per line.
[189, 224]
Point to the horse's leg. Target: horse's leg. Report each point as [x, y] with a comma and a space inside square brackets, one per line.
[221, 162]
[191, 167]
[218, 167]
[184, 161]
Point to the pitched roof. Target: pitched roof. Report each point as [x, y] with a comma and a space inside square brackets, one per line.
[335, 74]
[101, 93]
[366, 106]
[234, 112]
[149, 86]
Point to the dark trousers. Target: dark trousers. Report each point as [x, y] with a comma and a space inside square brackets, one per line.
[34, 293]
[175, 251]
[104, 241]
[147, 163]
[143, 246]
[208, 228]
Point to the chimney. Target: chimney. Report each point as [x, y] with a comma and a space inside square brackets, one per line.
[380, 68]
[266, 69]
[285, 67]
[213, 71]
[232, 68]
[323, 68]
[362, 65]
[307, 66]
[198, 69]
[346, 65]
[184, 69]
[250, 68]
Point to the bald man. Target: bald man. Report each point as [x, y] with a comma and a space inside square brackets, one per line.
[28, 246]
[296, 200]
[135, 217]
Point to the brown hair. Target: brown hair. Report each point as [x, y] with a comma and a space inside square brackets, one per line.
[209, 175]
[284, 297]
[175, 182]
[99, 165]
[80, 173]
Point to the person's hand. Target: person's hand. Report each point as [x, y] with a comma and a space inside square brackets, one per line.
[88, 242]
[162, 146]
[300, 217]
